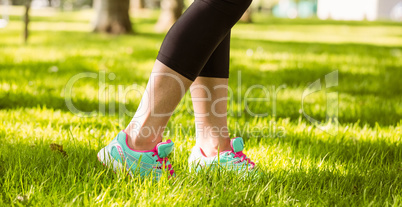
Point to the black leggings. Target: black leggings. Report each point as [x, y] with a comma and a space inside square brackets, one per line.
[198, 43]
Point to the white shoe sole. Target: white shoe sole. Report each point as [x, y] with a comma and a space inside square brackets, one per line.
[106, 159]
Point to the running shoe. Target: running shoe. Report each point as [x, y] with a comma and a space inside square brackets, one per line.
[234, 160]
[119, 156]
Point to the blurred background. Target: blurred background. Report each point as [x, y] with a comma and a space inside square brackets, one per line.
[119, 12]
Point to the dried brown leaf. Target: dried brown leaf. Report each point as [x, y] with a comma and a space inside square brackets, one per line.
[58, 148]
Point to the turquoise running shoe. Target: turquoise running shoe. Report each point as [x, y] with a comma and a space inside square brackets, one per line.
[120, 156]
[234, 160]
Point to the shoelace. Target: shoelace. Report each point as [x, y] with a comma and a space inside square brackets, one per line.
[164, 160]
[243, 157]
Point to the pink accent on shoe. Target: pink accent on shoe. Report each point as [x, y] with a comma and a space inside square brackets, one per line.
[167, 142]
[242, 155]
[202, 152]
[121, 153]
[244, 158]
[155, 151]
[163, 160]
[137, 150]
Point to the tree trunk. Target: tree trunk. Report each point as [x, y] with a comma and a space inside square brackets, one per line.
[171, 11]
[26, 20]
[246, 16]
[138, 4]
[112, 16]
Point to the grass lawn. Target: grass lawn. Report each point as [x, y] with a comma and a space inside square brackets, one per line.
[299, 163]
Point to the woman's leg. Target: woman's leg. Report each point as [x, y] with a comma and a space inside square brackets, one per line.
[164, 91]
[209, 93]
[209, 97]
[192, 40]
[185, 51]
[218, 63]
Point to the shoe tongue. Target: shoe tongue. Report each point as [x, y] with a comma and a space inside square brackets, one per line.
[237, 144]
[164, 148]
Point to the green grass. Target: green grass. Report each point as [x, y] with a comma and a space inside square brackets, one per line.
[300, 164]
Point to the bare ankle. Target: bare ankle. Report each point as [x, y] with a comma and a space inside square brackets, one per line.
[136, 144]
[212, 149]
